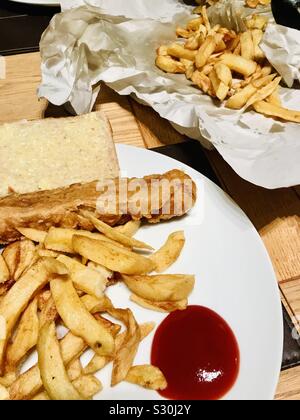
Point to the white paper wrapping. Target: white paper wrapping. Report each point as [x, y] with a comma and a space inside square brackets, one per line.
[116, 43]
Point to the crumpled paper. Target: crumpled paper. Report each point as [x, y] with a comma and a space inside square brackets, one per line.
[116, 42]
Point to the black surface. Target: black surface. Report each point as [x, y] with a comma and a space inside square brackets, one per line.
[21, 26]
[192, 154]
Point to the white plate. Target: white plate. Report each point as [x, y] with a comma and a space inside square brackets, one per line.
[38, 2]
[234, 277]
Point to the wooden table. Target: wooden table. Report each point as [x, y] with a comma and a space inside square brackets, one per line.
[276, 214]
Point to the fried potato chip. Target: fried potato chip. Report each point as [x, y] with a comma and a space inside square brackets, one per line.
[29, 383]
[8, 379]
[41, 396]
[126, 353]
[33, 234]
[178, 51]
[168, 254]
[274, 98]
[264, 92]
[183, 33]
[194, 24]
[4, 271]
[257, 35]
[163, 50]
[87, 386]
[25, 338]
[4, 394]
[239, 64]
[247, 46]
[162, 287]
[130, 228]
[193, 43]
[169, 65]
[277, 111]
[84, 278]
[48, 312]
[114, 258]
[98, 362]
[52, 369]
[257, 22]
[109, 325]
[18, 257]
[147, 376]
[240, 99]
[214, 81]
[262, 81]
[18, 297]
[169, 306]
[47, 253]
[202, 81]
[78, 319]
[223, 73]
[205, 51]
[74, 369]
[116, 236]
[95, 305]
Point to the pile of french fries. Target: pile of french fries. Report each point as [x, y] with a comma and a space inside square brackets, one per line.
[60, 277]
[228, 66]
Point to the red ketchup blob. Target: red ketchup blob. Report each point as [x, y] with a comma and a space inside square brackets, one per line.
[198, 354]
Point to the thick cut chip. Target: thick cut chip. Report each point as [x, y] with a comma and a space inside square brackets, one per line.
[169, 252]
[87, 386]
[130, 228]
[126, 353]
[239, 64]
[116, 236]
[223, 73]
[205, 51]
[114, 258]
[264, 92]
[277, 111]
[17, 298]
[240, 99]
[19, 256]
[169, 306]
[25, 338]
[34, 235]
[4, 394]
[169, 65]
[4, 271]
[147, 376]
[161, 288]
[178, 51]
[78, 319]
[53, 373]
[98, 362]
[247, 46]
[84, 278]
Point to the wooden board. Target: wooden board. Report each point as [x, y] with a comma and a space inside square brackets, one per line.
[276, 214]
